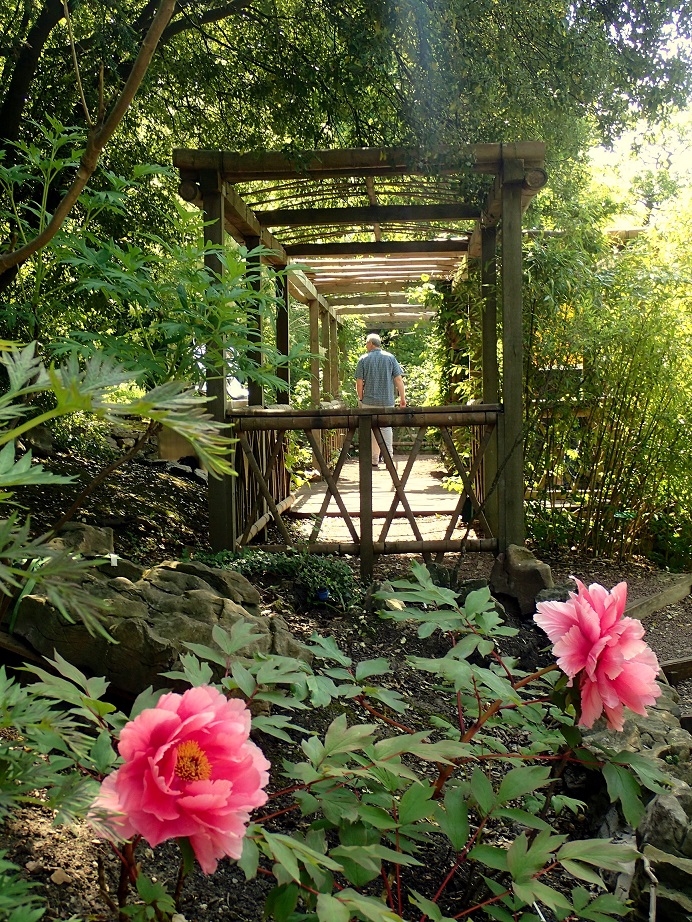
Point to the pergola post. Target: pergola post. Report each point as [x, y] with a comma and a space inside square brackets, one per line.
[221, 490]
[253, 266]
[325, 352]
[282, 339]
[334, 384]
[491, 377]
[314, 317]
[512, 349]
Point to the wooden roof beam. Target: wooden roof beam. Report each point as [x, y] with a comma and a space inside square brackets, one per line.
[383, 248]
[346, 301]
[377, 309]
[368, 161]
[366, 215]
[532, 180]
[371, 287]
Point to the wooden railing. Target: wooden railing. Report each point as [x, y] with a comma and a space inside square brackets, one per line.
[481, 419]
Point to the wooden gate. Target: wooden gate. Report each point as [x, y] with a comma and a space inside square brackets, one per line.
[364, 542]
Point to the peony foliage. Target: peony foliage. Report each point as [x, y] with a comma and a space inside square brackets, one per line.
[380, 795]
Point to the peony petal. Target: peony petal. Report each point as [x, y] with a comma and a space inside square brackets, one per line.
[573, 651]
[555, 618]
[107, 815]
[591, 703]
[210, 805]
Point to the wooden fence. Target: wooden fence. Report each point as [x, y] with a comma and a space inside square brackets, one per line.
[259, 464]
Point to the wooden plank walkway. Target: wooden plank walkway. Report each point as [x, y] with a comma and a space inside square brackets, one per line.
[431, 504]
[424, 490]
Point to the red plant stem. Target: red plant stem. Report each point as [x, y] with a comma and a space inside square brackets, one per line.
[460, 714]
[446, 772]
[387, 887]
[397, 869]
[494, 899]
[371, 710]
[461, 858]
[273, 816]
[460, 709]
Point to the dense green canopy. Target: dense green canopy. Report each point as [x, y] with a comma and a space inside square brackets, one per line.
[316, 73]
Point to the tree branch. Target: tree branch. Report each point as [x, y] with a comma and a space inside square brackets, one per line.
[97, 140]
[184, 24]
[17, 89]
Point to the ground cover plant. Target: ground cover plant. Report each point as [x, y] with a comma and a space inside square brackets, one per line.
[369, 813]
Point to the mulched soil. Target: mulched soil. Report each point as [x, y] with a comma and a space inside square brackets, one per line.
[156, 516]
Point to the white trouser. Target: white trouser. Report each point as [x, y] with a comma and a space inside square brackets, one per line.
[387, 436]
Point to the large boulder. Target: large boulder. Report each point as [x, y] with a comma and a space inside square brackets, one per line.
[151, 615]
[519, 575]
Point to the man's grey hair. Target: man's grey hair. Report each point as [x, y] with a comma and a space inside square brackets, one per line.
[374, 338]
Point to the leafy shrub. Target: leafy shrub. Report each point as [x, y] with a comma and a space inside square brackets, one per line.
[472, 792]
[313, 571]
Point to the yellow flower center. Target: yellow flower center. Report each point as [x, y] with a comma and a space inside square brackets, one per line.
[191, 763]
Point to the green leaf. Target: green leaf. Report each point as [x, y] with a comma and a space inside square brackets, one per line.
[521, 817]
[416, 803]
[326, 648]
[482, 791]
[243, 633]
[533, 891]
[279, 851]
[188, 853]
[154, 894]
[491, 856]
[624, 787]
[575, 857]
[454, 819]
[341, 738]
[430, 909]
[524, 858]
[372, 667]
[249, 859]
[331, 909]
[522, 780]
[373, 910]
[102, 753]
[281, 902]
[308, 855]
[601, 852]
[243, 678]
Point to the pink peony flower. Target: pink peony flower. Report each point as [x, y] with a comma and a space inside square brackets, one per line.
[593, 641]
[189, 770]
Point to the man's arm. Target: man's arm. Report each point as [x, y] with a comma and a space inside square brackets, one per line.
[401, 390]
[359, 388]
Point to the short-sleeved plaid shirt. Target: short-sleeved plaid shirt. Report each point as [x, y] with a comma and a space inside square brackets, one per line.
[378, 370]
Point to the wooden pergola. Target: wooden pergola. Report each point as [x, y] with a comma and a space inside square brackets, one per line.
[366, 226]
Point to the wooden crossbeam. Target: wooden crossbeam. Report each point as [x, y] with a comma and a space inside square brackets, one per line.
[366, 215]
[411, 274]
[399, 297]
[382, 248]
[377, 308]
[369, 287]
[388, 313]
[399, 259]
[368, 267]
[368, 161]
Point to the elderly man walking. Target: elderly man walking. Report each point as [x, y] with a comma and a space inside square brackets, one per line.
[378, 374]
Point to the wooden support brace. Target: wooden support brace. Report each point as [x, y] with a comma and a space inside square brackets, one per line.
[264, 489]
[331, 483]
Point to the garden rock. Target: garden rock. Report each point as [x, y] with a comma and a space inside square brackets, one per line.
[664, 834]
[150, 617]
[521, 576]
[86, 540]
